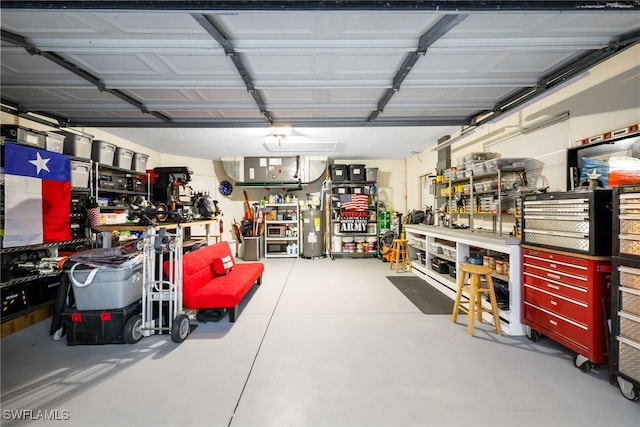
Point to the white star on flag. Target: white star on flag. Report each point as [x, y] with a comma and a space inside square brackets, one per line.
[40, 164]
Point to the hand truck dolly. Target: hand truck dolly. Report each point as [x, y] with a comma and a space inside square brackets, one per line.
[162, 310]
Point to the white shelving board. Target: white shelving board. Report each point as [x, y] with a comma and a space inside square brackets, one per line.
[276, 246]
[421, 236]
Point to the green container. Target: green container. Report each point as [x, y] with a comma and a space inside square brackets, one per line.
[384, 221]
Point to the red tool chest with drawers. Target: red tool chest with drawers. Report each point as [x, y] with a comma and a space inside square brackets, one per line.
[564, 296]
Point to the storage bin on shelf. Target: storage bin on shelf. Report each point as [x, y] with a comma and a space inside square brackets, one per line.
[348, 245]
[23, 135]
[371, 174]
[54, 142]
[372, 244]
[452, 270]
[480, 156]
[449, 251]
[103, 152]
[123, 158]
[435, 248]
[79, 173]
[77, 145]
[357, 172]
[490, 185]
[422, 258]
[339, 172]
[479, 169]
[505, 164]
[139, 162]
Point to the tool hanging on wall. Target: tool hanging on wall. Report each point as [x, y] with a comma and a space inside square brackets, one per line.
[248, 220]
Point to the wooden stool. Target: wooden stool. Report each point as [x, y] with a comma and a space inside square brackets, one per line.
[400, 255]
[474, 290]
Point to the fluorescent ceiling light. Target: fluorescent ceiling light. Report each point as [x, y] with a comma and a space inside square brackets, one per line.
[280, 131]
[291, 146]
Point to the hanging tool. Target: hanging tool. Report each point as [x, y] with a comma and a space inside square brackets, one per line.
[248, 220]
[236, 231]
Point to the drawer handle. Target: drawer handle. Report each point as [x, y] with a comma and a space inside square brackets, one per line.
[553, 302]
[553, 265]
[556, 287]
[553, 276]
[553, 322]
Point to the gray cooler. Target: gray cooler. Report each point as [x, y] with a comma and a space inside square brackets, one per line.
[106, 288]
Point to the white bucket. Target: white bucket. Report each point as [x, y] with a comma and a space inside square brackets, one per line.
[336, 244]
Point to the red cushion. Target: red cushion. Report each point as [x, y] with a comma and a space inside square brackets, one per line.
[223, 265]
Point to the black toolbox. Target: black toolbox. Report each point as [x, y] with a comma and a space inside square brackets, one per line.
[440, 265]
[89, 327]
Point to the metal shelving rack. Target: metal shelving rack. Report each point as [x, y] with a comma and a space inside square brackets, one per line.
[348, 187]
[498, 191]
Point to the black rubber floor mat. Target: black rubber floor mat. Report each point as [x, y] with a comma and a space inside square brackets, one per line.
[424, 296]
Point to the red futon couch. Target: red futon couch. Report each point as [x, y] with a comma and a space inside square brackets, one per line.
[213, 279]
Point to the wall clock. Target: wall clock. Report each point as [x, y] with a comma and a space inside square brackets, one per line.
[225, 188]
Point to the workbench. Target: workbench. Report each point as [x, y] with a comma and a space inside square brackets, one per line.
[211, 235]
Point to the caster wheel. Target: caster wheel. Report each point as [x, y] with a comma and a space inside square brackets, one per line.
[582, 363]
[133, 330]
[628, 390]
[533, 335]
[180, 328]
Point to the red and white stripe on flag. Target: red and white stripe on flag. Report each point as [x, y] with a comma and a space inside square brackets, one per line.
[354, 202]
[37, 196]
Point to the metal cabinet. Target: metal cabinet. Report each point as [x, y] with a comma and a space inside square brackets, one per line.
[570, 221]
[564, 295]
[625, 291]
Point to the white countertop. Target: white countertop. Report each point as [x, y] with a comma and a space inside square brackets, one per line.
[477, 237]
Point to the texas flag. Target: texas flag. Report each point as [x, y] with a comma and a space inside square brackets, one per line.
[37, 196]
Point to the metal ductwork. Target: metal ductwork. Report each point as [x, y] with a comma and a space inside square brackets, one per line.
[275, 170]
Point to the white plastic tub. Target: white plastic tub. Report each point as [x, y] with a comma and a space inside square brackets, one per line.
[103, 152]
[80, 173]
[108, 289]
[123, 158]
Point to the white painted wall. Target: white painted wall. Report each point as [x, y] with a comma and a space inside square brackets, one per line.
[605, 98]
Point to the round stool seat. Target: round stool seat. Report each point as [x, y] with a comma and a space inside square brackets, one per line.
[400, 255]
[476, 269]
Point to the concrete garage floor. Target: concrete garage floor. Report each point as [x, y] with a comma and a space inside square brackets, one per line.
[321, 343]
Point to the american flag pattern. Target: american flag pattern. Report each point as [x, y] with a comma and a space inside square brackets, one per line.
[354, 202]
